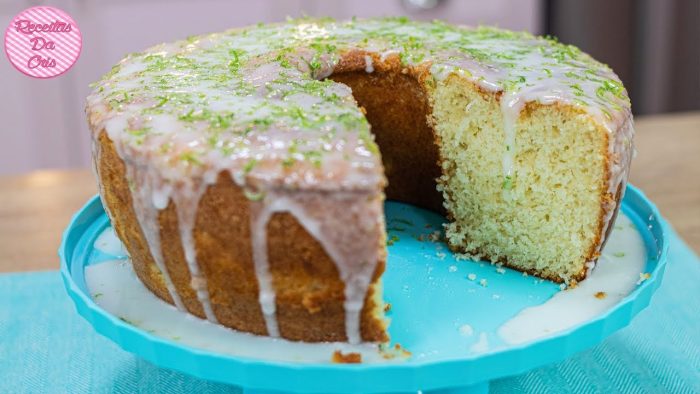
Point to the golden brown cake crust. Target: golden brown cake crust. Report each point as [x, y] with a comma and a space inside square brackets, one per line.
[309, 292]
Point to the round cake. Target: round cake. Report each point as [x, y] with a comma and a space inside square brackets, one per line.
[245, 171]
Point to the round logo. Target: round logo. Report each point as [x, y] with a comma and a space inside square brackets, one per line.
[43, 42]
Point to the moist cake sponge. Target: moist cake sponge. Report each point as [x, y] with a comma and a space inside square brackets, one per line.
[546, 217]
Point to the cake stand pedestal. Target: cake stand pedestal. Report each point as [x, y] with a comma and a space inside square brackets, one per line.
[479, 388]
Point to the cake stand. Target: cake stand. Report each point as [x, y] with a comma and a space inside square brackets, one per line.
[437, 301]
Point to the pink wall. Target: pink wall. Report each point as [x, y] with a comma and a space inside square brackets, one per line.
[43, 124]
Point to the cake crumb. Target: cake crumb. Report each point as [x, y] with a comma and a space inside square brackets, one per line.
[496, 296]
[440, 255]
[389, 352]
[501, 270]
[471, 277]
[452, 268]
[434, 236]
[601, 295]
[311, 303]
[643, 276]
[346, 358]
[483, 282]
[387, 307]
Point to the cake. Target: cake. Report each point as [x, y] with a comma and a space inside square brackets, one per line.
[246, 171]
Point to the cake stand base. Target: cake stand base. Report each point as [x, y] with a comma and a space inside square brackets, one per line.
[479, 388]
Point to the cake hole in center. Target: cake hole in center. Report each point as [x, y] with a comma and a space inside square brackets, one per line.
[397, 109]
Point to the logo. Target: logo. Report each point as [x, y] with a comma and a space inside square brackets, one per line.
[43, 42]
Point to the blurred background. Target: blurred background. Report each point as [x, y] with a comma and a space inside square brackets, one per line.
[653, 45]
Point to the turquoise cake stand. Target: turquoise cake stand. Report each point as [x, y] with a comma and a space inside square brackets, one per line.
[431, 298]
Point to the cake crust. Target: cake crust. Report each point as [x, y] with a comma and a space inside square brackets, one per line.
[225, 254]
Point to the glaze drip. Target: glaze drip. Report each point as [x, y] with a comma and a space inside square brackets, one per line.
[349, 247]
[187, 204]
[260, 213]
[369, 65]
[147, 214]
[511, 105]
[621, 144]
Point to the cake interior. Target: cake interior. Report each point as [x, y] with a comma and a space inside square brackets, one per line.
[545, 218]
[397, 107]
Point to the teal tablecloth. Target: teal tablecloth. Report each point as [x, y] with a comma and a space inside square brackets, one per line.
[45, 347]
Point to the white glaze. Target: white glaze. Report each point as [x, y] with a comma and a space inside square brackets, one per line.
[260, 214]
[615, 276]
[108, 243]
[369, 66]
[482, 345]
[620, 143]
[511, 105]
[466, 330]
[115, 287]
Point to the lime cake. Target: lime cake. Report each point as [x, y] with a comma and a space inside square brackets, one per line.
[245, 171]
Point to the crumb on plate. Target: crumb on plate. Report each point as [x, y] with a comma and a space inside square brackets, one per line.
[346, 358]
[643, 276]
[389, 352]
